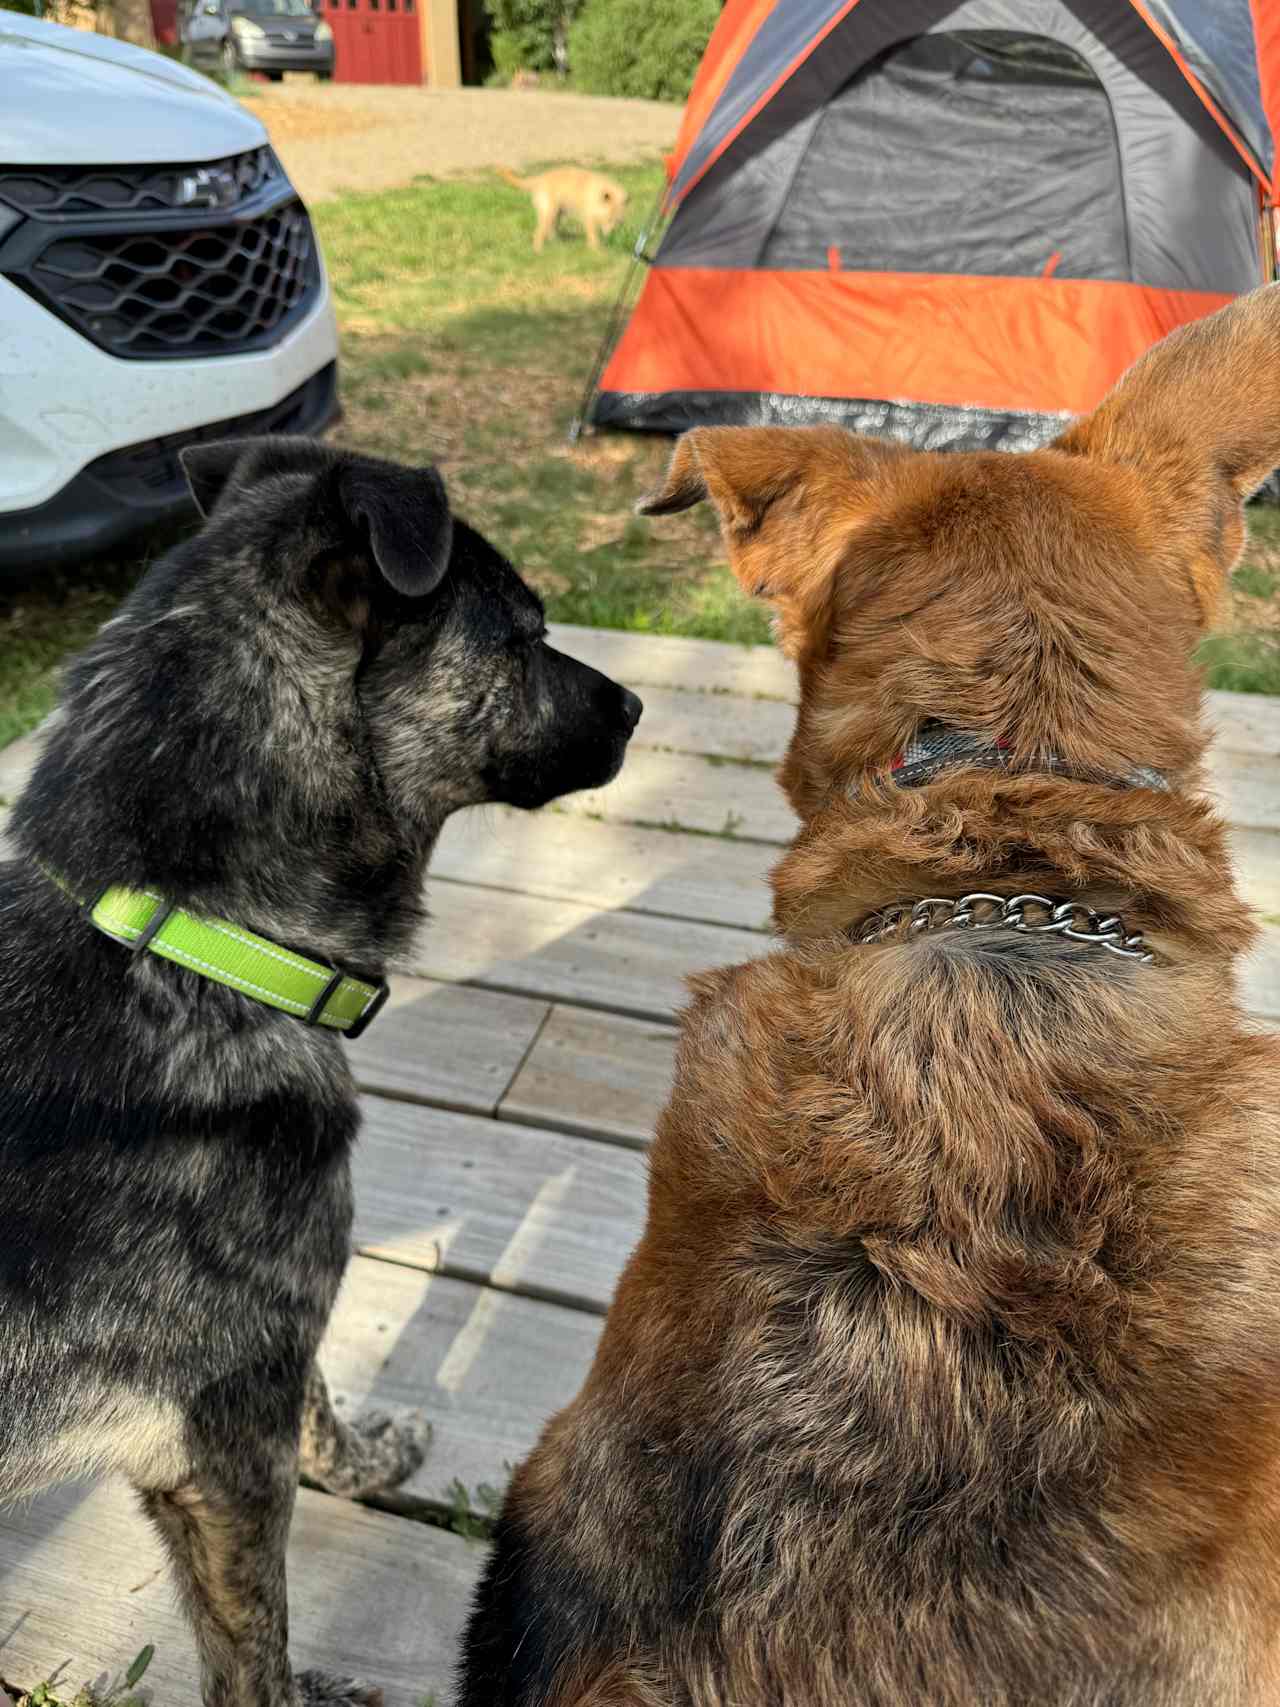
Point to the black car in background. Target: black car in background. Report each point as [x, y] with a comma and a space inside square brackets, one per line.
[273, 36]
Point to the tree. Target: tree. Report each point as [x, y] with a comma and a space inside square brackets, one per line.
[646, 48]
[531, 35]
[126, 20]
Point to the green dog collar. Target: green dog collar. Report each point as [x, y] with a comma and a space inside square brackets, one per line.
[313, 992]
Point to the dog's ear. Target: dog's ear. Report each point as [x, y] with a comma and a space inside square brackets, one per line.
[742, 470]
[788, 500]
[1197, 420]
[403, 514]
[209, 467]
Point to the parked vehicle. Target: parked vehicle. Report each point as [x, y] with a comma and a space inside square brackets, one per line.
[273, 36]
[160, 283]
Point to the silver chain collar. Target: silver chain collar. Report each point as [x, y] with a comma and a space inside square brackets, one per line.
[1071, 919]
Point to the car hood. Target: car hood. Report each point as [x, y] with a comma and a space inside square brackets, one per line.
[72, 98]
[275, 21]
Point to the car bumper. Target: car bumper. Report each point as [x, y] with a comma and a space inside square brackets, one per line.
[88, 442]
[127, 490]
[292, 56]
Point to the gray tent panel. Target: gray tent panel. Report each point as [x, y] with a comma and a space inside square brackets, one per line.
[940, 158]
[1214, 37]
[971, 152]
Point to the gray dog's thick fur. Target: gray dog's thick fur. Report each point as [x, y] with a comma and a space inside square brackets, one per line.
[272, 731]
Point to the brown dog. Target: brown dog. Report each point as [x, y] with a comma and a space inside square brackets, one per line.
[597, 202]
[947, 1372]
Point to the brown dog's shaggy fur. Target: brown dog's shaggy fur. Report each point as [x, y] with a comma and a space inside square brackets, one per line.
[596, 201]
[947, 1372]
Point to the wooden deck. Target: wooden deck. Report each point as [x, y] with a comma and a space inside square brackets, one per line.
[509, 1091]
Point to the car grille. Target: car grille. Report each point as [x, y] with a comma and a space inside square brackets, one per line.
[200, 292]
[70, 192]
[149, 262]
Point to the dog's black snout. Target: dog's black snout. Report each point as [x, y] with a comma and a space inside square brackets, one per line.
[632, 708]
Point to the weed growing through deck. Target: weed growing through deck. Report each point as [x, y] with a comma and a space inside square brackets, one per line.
[463, 347]
[473, 1515]
[113, 1692]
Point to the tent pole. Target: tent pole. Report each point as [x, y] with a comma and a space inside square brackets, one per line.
[616, 317]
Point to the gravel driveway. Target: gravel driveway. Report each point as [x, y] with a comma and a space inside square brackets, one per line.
[339, 137]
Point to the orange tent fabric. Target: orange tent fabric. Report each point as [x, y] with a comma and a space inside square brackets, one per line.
[789, 332]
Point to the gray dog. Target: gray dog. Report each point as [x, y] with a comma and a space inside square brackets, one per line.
[243, 786]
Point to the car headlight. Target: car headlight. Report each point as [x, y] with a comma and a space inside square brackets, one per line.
[323, 32]
[246, 28]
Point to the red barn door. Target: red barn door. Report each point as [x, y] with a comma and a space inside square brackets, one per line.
[376, 41]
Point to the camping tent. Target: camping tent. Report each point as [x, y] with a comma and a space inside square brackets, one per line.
[950, 221]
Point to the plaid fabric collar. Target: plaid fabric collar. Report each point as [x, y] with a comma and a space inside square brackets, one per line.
[935, 747]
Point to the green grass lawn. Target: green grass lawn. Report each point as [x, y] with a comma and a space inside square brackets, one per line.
[462, 347]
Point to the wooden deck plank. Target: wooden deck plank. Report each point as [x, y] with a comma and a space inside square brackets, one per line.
[1246, 788]
[1244, 722]
[447, 1043]
[754, 731]
[488, 1368]
[664, 660]
[569, 858]
[683, 791]
[595, 1073]
[1260, 977]
[524, 1210]
[624, 962]
[17, 761]
[759, 730]
[83, 1585]
[1255, 858]
[556, 854]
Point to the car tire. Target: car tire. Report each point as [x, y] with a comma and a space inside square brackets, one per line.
[324, 76]
[229, 59]
[276, 76]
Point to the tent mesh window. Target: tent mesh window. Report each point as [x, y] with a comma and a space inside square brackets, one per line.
[982, 152]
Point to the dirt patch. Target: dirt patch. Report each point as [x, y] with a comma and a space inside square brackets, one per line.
[334, 138]
[294, 121]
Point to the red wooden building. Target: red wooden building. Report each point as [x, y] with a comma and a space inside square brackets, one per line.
[440, 42]
[380, 41]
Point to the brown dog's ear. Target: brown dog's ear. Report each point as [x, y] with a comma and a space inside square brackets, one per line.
[1198, 419]
[743, 470]
[787, 498]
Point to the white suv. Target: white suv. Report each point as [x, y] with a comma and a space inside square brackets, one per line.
[160, 283]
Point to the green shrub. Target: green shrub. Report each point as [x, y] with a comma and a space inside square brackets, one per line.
[530, 35]
[646, 48]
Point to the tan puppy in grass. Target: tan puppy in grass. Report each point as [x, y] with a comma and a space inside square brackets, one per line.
[598, 202]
